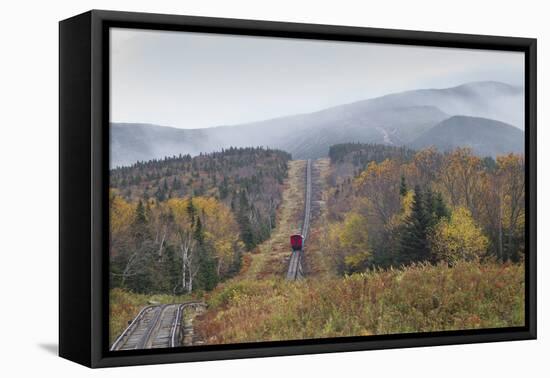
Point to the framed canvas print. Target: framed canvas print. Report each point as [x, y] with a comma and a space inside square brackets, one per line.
[235, 188]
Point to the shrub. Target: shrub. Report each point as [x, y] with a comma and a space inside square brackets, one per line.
[419, 298]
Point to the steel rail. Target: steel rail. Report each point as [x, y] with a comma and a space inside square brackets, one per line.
[148, 338]
[178, 322]
[130, 328]
[176, 326]
[295, 264]
[152, 325]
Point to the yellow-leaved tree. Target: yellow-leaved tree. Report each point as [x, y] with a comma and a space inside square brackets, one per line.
[222, 231]
[379, 185]
[459, 179]
[121, 216]
[458, 238]
[349, 240]
[221, 235]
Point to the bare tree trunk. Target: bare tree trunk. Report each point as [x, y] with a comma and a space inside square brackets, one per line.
[190, 283]
[162, 242]
[127, 269]
[187, 246]
[192, 273]
[186, 261]
[510, 232]
[500, 246]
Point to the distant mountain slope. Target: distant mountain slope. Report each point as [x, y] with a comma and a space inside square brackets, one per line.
[485, 136]
[132, 142]
[304, 136]
[487, 99]
[387, 126]
[395, 119]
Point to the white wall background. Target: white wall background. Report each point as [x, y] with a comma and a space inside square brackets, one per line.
[29, 186]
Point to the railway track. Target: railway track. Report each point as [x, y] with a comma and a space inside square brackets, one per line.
[157, 326]
[295, 270]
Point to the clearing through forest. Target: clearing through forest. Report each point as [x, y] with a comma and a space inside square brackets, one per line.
[271, 258]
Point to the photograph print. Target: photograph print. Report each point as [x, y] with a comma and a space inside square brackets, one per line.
[273, 189]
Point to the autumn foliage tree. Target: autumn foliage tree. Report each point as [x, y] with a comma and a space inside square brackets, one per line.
[475, 205]
[511, 172]
[458, 238]
[350, 243]
[248, 180]
[380, 185]
[181, 223]
[175, 246]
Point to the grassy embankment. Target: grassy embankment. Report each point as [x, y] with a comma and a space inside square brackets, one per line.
[317, 263]
[270, 259]
[415, 299]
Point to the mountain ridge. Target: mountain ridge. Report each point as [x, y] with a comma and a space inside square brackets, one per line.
[484, 136]
[393, 119]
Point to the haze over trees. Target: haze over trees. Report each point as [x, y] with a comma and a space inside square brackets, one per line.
[486, 116]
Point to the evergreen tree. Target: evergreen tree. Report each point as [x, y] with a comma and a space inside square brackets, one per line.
[429, 206]
[160, 194]
[140, 223]
[191, 210]
[207, 277]
[224, 188]
[247, 233]
[435, 207]
[403, 186]
[148, 210]
[414, 243]
[489, 163]
[199, 232]
[140, 217]
[176, 184]
[440, 209]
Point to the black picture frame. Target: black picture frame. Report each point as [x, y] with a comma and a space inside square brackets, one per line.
[83, 180]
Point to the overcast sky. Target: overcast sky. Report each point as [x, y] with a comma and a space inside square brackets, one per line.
[195, 80]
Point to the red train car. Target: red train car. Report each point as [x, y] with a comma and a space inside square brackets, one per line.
[296, 242]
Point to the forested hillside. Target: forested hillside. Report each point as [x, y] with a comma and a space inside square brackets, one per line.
[390, 206]
[180, 224]
[408, 241]
[412, 241]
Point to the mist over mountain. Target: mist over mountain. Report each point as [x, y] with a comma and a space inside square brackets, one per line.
[484, 136]
[132, 142]
[395, 119]
[488, 99]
